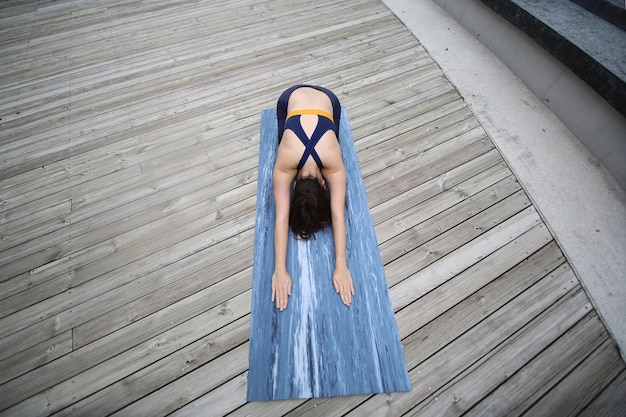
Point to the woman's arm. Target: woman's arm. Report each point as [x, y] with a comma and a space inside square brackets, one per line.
[342, 280]
[281, 281]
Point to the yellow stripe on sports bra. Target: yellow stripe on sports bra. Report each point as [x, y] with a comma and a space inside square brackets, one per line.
[311, 111]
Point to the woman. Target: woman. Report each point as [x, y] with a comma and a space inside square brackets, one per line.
[309, 155]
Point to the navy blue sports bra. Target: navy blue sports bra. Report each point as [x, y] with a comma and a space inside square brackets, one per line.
[324, 124]
[291, 121]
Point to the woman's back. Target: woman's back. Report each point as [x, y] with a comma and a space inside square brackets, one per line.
[293, 141]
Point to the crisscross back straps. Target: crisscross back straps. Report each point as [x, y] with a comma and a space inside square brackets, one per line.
[323, 125]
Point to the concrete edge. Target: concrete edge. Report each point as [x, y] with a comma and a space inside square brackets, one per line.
[581, 203]
[597, 124]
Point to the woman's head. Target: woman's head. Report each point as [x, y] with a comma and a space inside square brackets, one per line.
[309, 210]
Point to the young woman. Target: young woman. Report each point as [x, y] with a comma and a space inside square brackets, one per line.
[309, 155]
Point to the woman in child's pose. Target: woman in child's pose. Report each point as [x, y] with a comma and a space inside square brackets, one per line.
[309, 155]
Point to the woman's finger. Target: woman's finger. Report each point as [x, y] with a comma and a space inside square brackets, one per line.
[345, 297]
[281, 299]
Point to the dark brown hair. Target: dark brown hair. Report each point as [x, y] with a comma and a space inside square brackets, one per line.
[309, 210]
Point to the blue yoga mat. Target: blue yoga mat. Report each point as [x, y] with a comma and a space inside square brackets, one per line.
[317, 346]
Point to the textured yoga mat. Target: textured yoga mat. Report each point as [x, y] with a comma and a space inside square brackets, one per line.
[318, 347]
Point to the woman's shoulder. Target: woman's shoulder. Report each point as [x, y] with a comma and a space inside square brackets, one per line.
[287, 156]
[333, 162]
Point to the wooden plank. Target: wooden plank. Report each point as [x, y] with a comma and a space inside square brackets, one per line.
[31, 281]
[211, 190]
[110, 256]
[36, 356]
[449, 333]
[196, 384]
[580, 386]
[191, 287]
[484, 303]
[161, 119]
[394, 112]
[536, 378]
[421, 256]
[69, 309]
[436, 273]
[502, 265]
[120, 86]
[154, 280]
[99, 104]
[36, 224]
[429, 125]
[264, 408]
[95, 369]
[175, 368]
[185, 25]
[414, 232]
[392, 169]
[81, 28]
[490, 186]
[489, 372]
[102, 214]
[611, 402]
[430, 169]
[219, 402]
[357, 45]
[418, 149]
[447, 180]
[169, 98]
[452, 359]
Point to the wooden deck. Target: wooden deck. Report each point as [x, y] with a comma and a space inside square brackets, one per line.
[129, 148]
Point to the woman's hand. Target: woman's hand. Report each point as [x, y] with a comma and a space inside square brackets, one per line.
[281, 288]
[342, 280]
